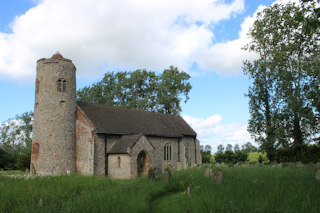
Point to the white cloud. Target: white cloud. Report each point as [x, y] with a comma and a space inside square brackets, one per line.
[116, 34]
[212, 131]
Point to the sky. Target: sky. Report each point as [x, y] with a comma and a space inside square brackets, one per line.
[201, 37]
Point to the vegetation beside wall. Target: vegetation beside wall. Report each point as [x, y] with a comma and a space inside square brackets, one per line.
[248, 189]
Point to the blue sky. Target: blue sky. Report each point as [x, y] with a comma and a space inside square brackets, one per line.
[199, 37]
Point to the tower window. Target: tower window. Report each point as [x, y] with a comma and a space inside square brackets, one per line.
[119, 162]
[37, 86]
[62, 85]
[167, 152]
[35, 151]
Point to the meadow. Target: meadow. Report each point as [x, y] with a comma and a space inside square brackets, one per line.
[248, 189]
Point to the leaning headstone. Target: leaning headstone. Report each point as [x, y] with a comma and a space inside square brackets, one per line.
[165, 176]
[207, 172]
[317, 174]
[151, 174]
[217, 176]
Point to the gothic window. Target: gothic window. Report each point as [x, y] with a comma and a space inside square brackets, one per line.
[167, 152]
[119, 162]
[62, 85]
[37, 86]
[35, 149]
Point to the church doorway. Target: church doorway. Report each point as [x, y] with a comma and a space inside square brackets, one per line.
[143, 163]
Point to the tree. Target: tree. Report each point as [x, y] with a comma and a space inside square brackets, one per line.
[15, 141]
[205, 153]
[229, 147]
[236, 148]
[248, 147]
[220, 148]
[282, 113]
[312, 22]
[141, 89]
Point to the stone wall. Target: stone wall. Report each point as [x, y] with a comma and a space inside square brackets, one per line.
[54, 122]
[122, 172]
[84, 144]
[142, 145]
[99, 155]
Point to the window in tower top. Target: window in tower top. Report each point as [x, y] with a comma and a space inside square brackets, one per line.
[62, 85]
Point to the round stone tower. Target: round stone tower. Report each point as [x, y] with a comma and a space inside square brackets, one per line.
[54, 125]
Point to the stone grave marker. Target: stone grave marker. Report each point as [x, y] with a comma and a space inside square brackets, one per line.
[311, 165]
[151, 174]
[165, 176]
[317, 174]
[217, 176]
[207, 172]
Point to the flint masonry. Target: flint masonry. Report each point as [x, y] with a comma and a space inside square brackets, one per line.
[95, 139]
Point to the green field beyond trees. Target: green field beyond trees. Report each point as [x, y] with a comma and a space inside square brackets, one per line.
[249, 189]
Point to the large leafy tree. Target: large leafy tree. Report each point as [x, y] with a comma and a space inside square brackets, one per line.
[15, 142]
[141, 89]
[284, 111]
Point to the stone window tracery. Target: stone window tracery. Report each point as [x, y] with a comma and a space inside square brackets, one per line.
[119, 162]
[167, 152]
[62, 85]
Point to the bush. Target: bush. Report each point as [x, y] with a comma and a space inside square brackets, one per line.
[23, 161]
[231, 157]
[305, 154]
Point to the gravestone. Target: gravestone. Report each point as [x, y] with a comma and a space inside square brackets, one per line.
[217, 176]
[311, 165]
[151, 174]
[317, 174]
[165, 176]
[292, 165]
[207, 172]
[299, 163]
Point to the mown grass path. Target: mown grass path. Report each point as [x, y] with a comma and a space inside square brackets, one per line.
[169, 203]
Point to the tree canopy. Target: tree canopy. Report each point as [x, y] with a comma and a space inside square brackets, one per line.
[284, 97]
[141, 89]
[15, 142]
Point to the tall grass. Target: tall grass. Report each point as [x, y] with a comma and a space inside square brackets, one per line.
[250, 189]
[76, 194]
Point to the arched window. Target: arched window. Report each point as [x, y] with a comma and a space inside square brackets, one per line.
[167, 152]
[35, 150]
[119, 162]
[62, 85]
[37, 86]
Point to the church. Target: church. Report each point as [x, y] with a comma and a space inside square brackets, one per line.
[96, 139]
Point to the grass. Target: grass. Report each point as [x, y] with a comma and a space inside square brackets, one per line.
[254, 156]
[250, 189]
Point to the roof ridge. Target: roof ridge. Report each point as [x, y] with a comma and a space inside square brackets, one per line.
[129, 109]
